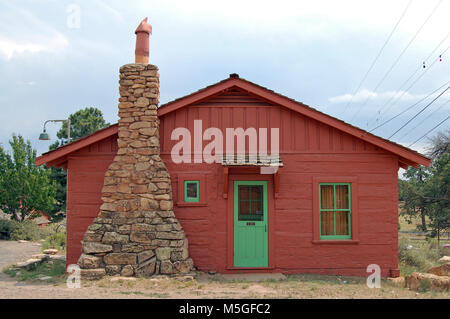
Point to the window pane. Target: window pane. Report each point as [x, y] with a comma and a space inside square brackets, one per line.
[257, 208]
[326, 223]
[250, 203]
[342, 223]
[191, 190]
[244, 192]
[342, 201]
[326, 197]
[244, 208]
[256, 193]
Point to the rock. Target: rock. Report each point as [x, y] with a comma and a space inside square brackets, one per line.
[30, 264]
[147, 131]
[166, 267]
[445, 260]
[145, 255]
[112, 270]
[163, 253]
[23, 241]
[110, 207]
[92, 274]
[142, 227]
[169, 235]
[45, 278]
[165, 205]
[120, 259]
[92, 236]
[416, 281]
[142, 237]
[89, 261]
[149, 204]
[93, 247]
[147, 268]
[112, 237]
[185, 266]
[40, 256]
[142, 102]
[443, 270]
[138, 125]
[127, 271]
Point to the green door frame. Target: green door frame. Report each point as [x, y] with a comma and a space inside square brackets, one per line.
[251, 240]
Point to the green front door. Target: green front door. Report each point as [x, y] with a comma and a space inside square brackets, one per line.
[250, 224]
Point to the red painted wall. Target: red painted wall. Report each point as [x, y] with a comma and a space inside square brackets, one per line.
[85, 173]
[308, 150]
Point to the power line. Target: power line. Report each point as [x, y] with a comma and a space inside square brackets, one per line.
[398, 58]
[397, 98]
[442, 122]
[408, 108]
[426, 118]
[378, 56]
[417, 114]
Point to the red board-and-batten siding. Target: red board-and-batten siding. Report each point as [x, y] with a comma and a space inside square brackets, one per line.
[85, 174]
[311, 151]
[308, 149]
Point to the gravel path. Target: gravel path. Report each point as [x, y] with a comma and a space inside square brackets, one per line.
[13, 251]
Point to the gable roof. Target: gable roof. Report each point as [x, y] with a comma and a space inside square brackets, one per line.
[407, 156]
[57, 157]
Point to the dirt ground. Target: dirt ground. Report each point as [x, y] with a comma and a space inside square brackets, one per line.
[202, 286]
[300, 286]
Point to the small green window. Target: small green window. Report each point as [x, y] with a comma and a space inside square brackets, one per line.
[191, 191]
[335, 210]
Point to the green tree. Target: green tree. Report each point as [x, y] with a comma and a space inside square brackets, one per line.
[415, 205]
[437, 189]
[24, 187]
[426, 192]
[83, 122]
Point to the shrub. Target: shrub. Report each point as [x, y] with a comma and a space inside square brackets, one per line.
[6, 228]
[26, 230]
[425, 285]
[419, 258]
[55, 241]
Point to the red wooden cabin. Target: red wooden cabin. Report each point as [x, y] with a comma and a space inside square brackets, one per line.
[330, 209]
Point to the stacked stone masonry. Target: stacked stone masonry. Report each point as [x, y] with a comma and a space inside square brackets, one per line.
[136, 232]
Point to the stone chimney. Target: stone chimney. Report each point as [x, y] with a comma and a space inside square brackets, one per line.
[136, 232]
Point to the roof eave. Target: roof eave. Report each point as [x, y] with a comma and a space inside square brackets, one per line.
[56, 157]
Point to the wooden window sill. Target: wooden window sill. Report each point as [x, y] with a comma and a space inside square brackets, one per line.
[335, 242]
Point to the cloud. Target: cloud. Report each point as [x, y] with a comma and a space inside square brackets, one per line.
[365, 94]
[11, 48]
[24, 31]
[111, 10]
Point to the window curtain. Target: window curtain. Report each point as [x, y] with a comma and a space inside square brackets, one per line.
[334, 198]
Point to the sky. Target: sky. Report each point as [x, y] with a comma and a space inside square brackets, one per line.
[57, 57]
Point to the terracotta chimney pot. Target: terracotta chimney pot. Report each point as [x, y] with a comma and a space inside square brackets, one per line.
[142, 32]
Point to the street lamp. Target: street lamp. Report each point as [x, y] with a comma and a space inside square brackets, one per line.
[44, 135]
